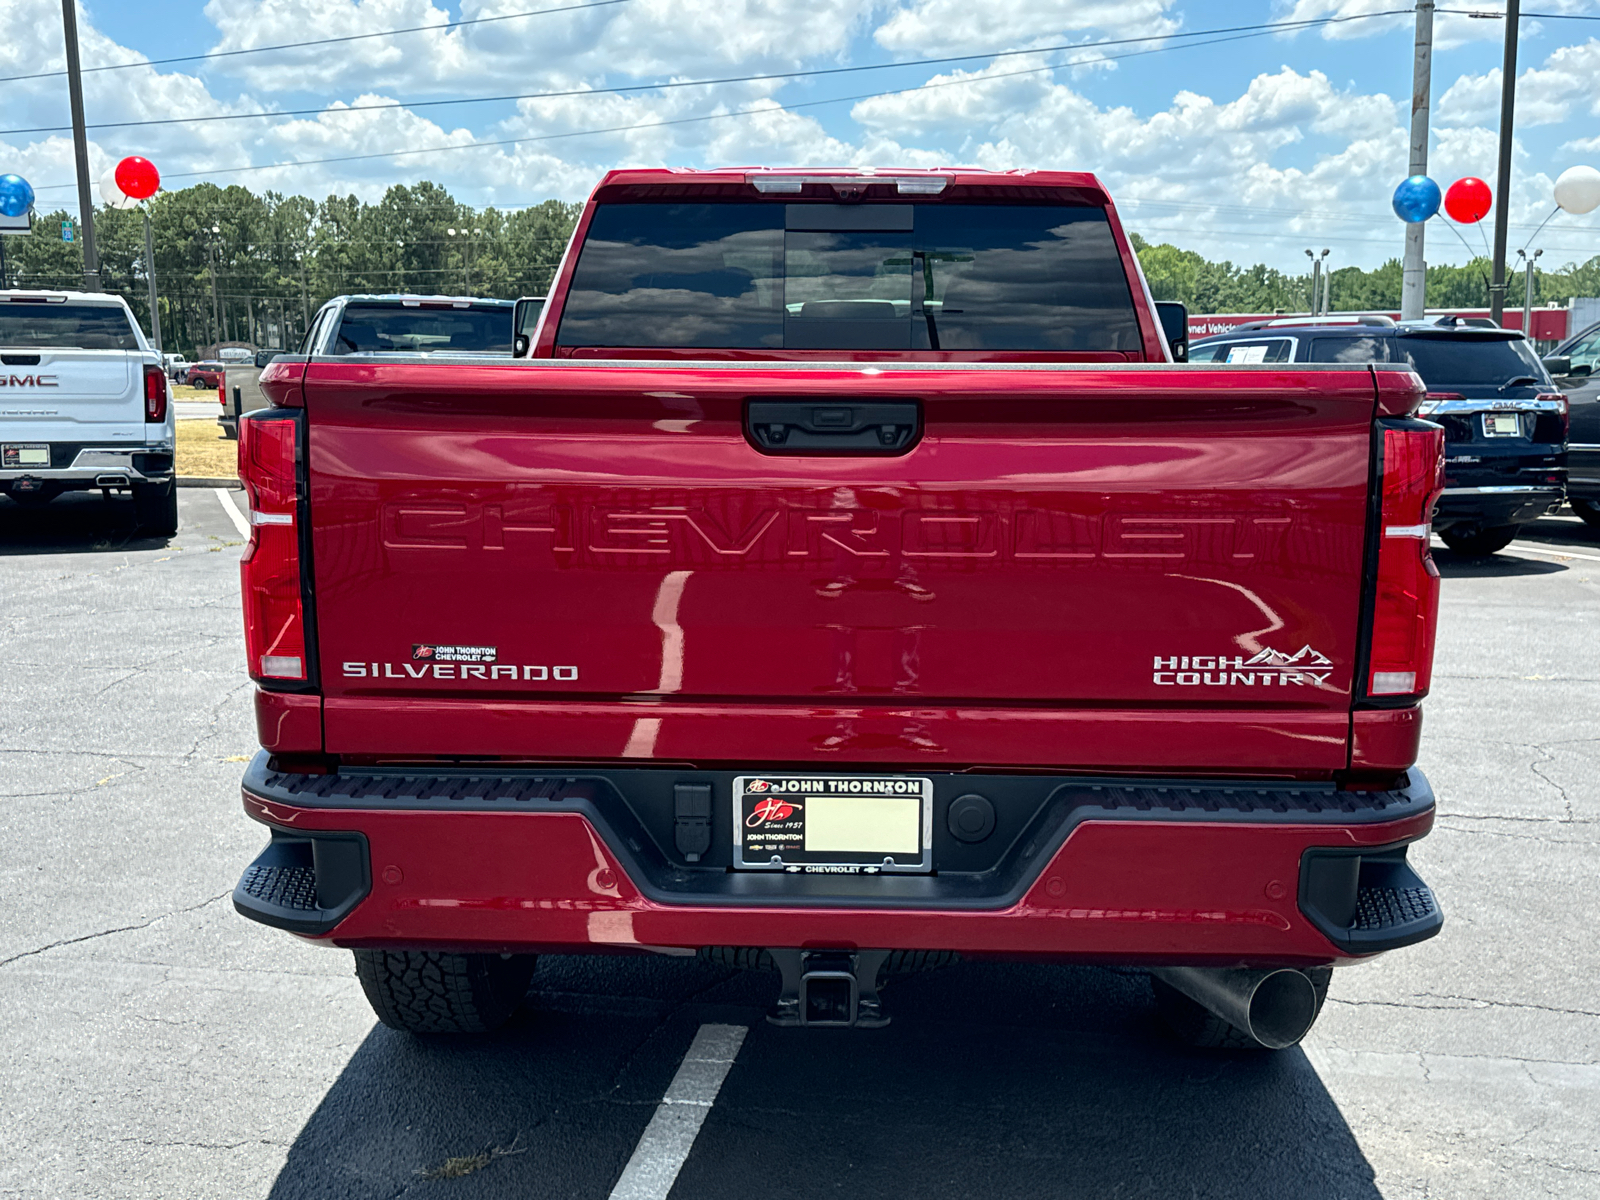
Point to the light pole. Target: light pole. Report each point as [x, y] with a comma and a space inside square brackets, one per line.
[467, 233]
[1527, 295]
[211, 268]
[1316, 280]
[150, 277]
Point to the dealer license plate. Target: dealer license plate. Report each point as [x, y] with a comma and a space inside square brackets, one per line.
[833, 824]
[1502, 424]
[24, 456]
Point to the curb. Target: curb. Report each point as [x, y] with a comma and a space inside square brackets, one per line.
[218, 481]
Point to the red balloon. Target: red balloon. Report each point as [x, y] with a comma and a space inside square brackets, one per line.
[1468, 201]
[138, 177]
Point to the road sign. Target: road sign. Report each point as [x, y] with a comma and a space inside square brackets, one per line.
[66, 231]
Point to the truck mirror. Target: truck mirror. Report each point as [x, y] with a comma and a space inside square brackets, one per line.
[524, 320]
[1175, 326]
[1558, 364]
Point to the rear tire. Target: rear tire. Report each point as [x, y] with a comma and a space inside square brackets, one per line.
[1587, 511]
[426, 991]
[1480, 542]
[155, 508]
[1193, 1024]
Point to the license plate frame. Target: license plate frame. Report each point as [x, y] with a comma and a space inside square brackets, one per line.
[831, 824]
[17, 455]
[1502, 424]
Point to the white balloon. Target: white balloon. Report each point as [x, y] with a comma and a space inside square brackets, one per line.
[113, 195]
[1578, 190]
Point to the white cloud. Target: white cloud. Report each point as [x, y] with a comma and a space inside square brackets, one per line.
[1287, 159]
[930, 27]
[639, 39]
[1546, 95]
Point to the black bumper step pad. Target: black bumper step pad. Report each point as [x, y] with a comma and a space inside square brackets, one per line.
[1367, 900]
[305, 881]
[1379, 908]
[282, 887]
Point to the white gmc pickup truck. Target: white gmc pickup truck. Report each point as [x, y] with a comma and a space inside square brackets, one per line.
[84, 405]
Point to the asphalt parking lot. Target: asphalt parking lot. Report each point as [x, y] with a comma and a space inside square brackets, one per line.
[156, 1044]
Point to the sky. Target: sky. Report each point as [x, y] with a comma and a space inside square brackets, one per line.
[1251, 145]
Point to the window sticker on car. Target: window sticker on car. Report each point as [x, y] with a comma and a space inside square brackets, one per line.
[1247, 354]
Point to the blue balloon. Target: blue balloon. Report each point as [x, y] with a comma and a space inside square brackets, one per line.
[1417, 199]
[16, 197]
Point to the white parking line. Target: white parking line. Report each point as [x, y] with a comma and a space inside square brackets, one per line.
[1552, 551]
[669, 1137]
[1525, 548]
[232, 509]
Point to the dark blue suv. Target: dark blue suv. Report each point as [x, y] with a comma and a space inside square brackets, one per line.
[1505, 423]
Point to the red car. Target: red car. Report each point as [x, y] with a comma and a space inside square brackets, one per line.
[845, 575]
[207, 375]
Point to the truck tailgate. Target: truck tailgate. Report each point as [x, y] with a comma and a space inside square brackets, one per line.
[64, 395]
[1074, 566]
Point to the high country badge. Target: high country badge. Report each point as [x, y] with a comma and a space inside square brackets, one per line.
[1267, 668]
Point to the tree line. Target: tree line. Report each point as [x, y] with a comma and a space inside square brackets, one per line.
[234, 266]
[1221, 287]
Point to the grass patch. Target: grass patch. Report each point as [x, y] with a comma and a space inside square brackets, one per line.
[466, 1164]
[202, 450]
[183, 392]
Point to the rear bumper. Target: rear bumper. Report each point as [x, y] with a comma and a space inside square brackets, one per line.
[1494, 505]
[1164, 871]
[92, 466]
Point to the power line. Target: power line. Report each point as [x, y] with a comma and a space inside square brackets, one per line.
[659, 124]
[773, 77]
[354, 37]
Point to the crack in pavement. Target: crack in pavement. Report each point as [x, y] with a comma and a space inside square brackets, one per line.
[1464, 1003]
[89, 937]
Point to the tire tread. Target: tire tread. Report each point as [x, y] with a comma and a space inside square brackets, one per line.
[429, 991]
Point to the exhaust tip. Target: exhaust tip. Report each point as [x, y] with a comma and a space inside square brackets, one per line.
[1283, 1008]
[111, 481]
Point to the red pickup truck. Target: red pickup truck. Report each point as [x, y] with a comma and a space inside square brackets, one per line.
[844, 578]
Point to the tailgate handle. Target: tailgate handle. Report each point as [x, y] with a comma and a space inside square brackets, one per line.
[809, 427]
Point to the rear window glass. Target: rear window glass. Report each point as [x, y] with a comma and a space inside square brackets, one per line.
[72, 326]
[921, 277]
[380, 328]
[1468, 361]
[1365, 349]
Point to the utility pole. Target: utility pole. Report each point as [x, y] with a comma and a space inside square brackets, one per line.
[1414, 276]
[80, 147]
[1327, 286]
[1508, 101]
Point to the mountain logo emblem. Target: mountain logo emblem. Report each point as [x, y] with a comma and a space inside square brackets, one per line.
[1303, 657]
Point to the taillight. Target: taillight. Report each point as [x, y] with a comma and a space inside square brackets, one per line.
[269, 573]
[1405, 605]
[1432, 400]
[155, 394]
[1563, 407]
